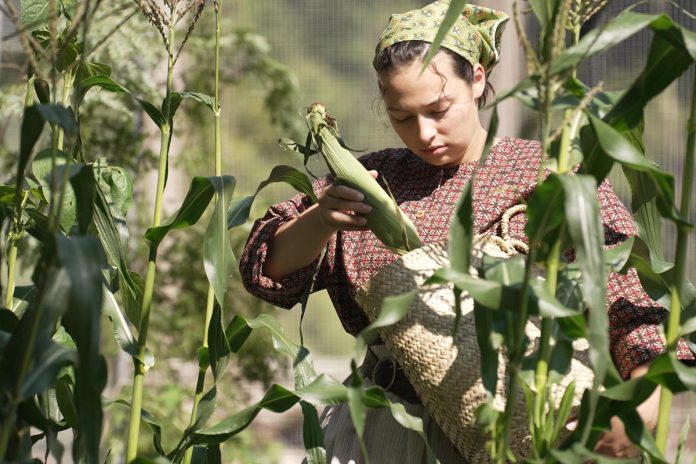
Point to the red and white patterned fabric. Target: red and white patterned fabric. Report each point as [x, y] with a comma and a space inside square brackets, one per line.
[428, 194]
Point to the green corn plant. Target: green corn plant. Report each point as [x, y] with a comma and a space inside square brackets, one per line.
[166, 23]
[210, 302]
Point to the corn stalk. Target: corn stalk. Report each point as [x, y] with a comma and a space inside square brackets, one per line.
[139, 372]
[210, 302]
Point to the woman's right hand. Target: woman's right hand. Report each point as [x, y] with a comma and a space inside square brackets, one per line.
[342, 208]
[298, 242]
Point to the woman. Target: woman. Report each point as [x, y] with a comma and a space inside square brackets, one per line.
[435, 113]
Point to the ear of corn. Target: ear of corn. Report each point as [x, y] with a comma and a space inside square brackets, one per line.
[386, 220]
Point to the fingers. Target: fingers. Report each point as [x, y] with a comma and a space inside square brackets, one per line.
[342, 208]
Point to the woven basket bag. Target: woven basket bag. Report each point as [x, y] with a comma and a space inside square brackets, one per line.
[446, 372]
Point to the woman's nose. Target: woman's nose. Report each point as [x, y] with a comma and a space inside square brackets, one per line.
[426, 129]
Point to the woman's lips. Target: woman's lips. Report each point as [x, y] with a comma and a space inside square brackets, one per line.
[435, 151]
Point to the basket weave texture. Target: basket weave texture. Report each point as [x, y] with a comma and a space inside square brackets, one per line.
[446, 371]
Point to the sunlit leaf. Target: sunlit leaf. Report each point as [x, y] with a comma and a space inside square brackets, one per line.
[606, 145]
[486, 292]
[301, 359]
[461, 232]
[218, 257]
[601, 39]
[122, 331]
[177, 98]
[239, 209]
[393, 309]
[130, 283]
[584, 227]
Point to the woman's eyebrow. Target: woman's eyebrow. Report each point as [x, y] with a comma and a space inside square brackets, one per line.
[437, 101]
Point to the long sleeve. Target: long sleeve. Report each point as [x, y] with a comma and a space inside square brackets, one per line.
[286, 292]
[634, 318]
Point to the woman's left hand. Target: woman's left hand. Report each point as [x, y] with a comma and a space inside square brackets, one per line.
[614, 441]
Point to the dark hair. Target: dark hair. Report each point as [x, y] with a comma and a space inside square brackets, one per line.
[403, 53]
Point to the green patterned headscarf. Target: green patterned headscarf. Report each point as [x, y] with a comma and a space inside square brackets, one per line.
[475, 36]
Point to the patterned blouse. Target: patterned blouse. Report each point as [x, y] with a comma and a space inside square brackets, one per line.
[428, 194]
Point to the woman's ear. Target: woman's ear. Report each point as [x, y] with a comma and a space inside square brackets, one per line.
[478, 84]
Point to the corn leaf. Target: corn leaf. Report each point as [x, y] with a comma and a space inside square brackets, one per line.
[196, 201]
[42, 170]
[130, 283]
[393, 309]
[108, 84]
[483, 319]
[45, 369]
[121, 329]
[312, 434]
[239, 209]
[461, 232]
[33, 334]
[584, 227]
[641, 435]
[32, 126]
[603, 145]
[85, 188]
[218, 258]
[486, 292]
[81, 257]
[277, 399]
[178, 97]
[218, 346]
[57, 114]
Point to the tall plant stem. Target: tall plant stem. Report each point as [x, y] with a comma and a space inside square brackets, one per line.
[552, 267]
[202, 369]
[139, 374]
[679, 268]
[16, 231]
[516, 355]
[15, 234]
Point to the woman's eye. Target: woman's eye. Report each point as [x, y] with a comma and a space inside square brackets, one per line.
[441, 112]
[407, 118]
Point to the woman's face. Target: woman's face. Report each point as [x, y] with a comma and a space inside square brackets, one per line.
[435, 113]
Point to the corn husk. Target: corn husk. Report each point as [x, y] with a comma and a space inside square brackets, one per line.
[386, 220]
